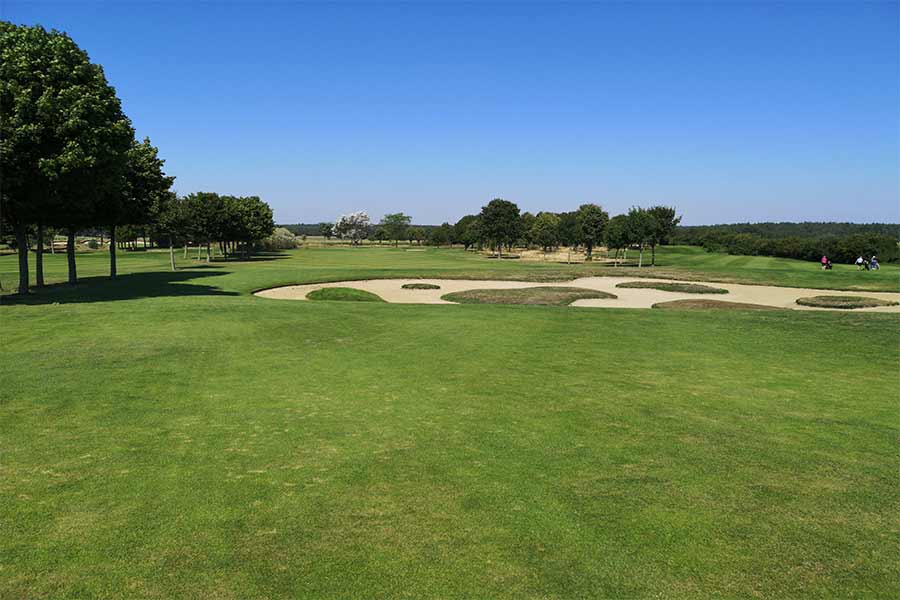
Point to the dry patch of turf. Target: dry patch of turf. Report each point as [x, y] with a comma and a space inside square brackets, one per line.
[420, 286]
[845, 302]
[343, 294]
[692, 304]
[687, 288]
[547, 296]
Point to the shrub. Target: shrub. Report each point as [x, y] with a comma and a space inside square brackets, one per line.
[281, 239]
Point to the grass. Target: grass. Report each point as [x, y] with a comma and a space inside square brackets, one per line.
[846, 302]
[420, 286]
[546, 296]
[688, 288]
[343, 294]
[698, 304]
[342, 263]
[171, 435]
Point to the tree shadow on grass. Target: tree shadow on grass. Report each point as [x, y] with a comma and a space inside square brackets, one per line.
[130, 286]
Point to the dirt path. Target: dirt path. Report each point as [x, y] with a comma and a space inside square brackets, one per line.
[391, 290]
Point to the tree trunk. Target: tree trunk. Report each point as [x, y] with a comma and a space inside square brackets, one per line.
[500, 250]
[70, 256]
[52, 245]
[589, 255]
[39, 257]
[208, 252]
[171, 253]
[641, 257]
[22, 247]
[653, 255]
[112, 251]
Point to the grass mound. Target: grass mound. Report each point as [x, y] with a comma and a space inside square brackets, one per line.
[687, 288]
[845, 302]
[343, 294]
[691, 304]
[420, 286]
[547, 296]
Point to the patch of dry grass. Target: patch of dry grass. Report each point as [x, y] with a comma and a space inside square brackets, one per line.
[687, 288]
[844, 302]
[697, 304]
[420, 286]
[545, 296]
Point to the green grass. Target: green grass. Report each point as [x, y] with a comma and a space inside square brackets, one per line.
[847, 302]
[173, 436]
[312, 265]
[688, 288]
[343, 294]
[545, 296]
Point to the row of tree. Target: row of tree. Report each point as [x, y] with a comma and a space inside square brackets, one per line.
[500, 224]
[695, 235]
[70, 162]
[840, 249]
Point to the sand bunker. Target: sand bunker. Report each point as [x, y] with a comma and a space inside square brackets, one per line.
[392, 290]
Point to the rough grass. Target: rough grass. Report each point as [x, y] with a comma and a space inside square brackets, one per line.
[420, 286]
[343, 294]
[844, 302]
[547, 296]
[688, 288]
[697, 304]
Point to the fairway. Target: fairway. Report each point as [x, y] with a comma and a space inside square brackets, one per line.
[173, 435]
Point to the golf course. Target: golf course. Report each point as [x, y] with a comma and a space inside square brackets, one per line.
[170, 434]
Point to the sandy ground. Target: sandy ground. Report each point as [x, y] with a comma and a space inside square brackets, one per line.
[391, 291]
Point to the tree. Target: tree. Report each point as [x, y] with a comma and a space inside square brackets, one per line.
[204, 210]
[440, 235]
[380, 235]
[395, 226]
[144, 197]
[63, 136]
[638, 229]
[591, 222]
[568, 229]
[353, 226]
[545, 230]
[501, 223]
[467, 231]
[527, 223]
[616, 235]
[172, 220]
[326, 230]
[663, 222]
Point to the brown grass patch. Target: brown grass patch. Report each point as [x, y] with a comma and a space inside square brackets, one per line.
[545, 296]
[697, 304]
[687, 288]
[844, 302]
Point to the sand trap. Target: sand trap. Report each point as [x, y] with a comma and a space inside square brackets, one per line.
[391, 290]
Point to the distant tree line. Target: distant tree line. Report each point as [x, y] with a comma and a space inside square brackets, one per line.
[694, 235]
[500, 225]
[70, 163]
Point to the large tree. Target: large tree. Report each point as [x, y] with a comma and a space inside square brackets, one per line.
[501, 223]
[467, 231]
[591, 223]
[395, 226]
[545, 230]
[143, 198]
[663, 222]
[353, 226]
[617, 235]
[638, 229]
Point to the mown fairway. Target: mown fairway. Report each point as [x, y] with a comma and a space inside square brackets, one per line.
[170, 435]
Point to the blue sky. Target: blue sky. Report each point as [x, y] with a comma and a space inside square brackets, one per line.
[729, 111]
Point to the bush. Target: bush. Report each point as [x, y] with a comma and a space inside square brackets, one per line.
[281, 239]
[93, 244]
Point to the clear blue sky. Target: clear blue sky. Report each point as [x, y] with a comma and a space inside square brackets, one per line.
[730, 111]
